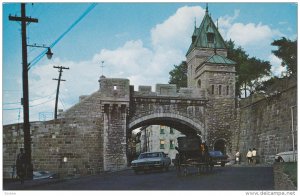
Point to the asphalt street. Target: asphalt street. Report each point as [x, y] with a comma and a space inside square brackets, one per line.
[221, 178]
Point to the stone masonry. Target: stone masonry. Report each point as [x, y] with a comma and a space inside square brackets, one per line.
[93, 136]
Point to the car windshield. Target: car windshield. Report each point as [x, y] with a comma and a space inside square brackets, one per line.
[149, 155]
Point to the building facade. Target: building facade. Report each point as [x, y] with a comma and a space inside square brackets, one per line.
[159, 138]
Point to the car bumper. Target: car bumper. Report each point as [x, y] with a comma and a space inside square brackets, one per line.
[147, 167]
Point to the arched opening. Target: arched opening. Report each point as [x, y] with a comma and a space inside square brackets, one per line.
[164, 130]
[220, 145]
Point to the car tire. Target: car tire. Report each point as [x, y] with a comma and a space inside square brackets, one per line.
[222, 164]
[280, 159]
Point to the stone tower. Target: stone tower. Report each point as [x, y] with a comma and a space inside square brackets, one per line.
[211, 70]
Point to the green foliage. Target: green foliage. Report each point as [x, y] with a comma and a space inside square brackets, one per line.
[178, 75]
[265, 85]
[249, 71]
[291, 170]
[287, 52]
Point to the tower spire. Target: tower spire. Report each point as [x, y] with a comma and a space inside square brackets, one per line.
[206, 11]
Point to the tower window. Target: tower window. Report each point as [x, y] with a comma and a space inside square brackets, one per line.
[212, 89]
[199, 83]
[220, 89]
[210, 37]
[227, 90]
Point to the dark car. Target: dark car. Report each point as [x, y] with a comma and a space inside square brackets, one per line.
[38, 175]
[218, 158]
[150, 161]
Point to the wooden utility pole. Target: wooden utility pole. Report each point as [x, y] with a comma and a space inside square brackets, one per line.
[58, 84]
[25, 101]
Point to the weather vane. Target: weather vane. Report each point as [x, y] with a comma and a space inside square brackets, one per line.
[102, 66]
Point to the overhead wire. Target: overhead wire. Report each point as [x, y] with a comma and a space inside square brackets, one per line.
[30, 100]
[40, 56]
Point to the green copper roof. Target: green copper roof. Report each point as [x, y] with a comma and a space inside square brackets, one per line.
[202, 38]
[218, 59]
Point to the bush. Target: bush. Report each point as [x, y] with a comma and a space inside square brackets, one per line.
[291, 170]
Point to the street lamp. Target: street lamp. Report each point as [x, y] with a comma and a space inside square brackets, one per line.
[48, 53]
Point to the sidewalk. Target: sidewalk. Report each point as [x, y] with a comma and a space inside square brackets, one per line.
[28, 184]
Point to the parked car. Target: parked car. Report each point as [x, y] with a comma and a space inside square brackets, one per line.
[287, 156]
[37, 175]
[151, 161]
[218, 158]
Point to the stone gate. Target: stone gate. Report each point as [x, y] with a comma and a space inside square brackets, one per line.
[92, 136]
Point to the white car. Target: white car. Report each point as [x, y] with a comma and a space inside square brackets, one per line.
[287, 156]
[150, 161]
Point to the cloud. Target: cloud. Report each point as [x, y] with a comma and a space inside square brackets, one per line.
[175, 32]
[276, 68]
[225, 22]
[148, 66]
[142, 65]
[249, 34]
[246, 34]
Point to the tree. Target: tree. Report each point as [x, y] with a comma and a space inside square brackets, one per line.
[249, 71]
[287, 52]
[178, 75]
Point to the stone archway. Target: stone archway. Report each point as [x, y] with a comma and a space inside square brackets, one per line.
[220, 145]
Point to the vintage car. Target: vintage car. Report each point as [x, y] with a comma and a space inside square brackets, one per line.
[151, 161]
[38, 175]
[218, 158]
[288, 156]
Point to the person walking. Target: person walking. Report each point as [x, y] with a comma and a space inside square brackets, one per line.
[254, 156]
[249, 156]
[20, 165]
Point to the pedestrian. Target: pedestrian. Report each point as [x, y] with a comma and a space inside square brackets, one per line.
[21, 165]
[237, 157]
[249, 156]
[254, 156]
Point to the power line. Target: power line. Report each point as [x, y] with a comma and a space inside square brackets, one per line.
[40, 56]
[41, 103]
[29, 100]
[62, 103]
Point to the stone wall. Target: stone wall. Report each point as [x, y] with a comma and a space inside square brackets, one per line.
[70, 146]
[265, 123]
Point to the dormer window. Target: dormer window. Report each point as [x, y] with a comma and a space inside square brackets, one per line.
[210, 34]
[210, 37]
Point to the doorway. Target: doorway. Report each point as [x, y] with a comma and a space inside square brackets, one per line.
[220, 145]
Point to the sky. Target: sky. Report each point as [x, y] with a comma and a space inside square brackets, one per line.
[138, 41]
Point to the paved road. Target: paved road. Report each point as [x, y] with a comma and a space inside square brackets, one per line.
[227, 178]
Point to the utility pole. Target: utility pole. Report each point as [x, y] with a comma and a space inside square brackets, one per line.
[25, 101]
[58, 84]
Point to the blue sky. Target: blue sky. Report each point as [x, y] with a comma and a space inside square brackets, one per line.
[138, 41]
